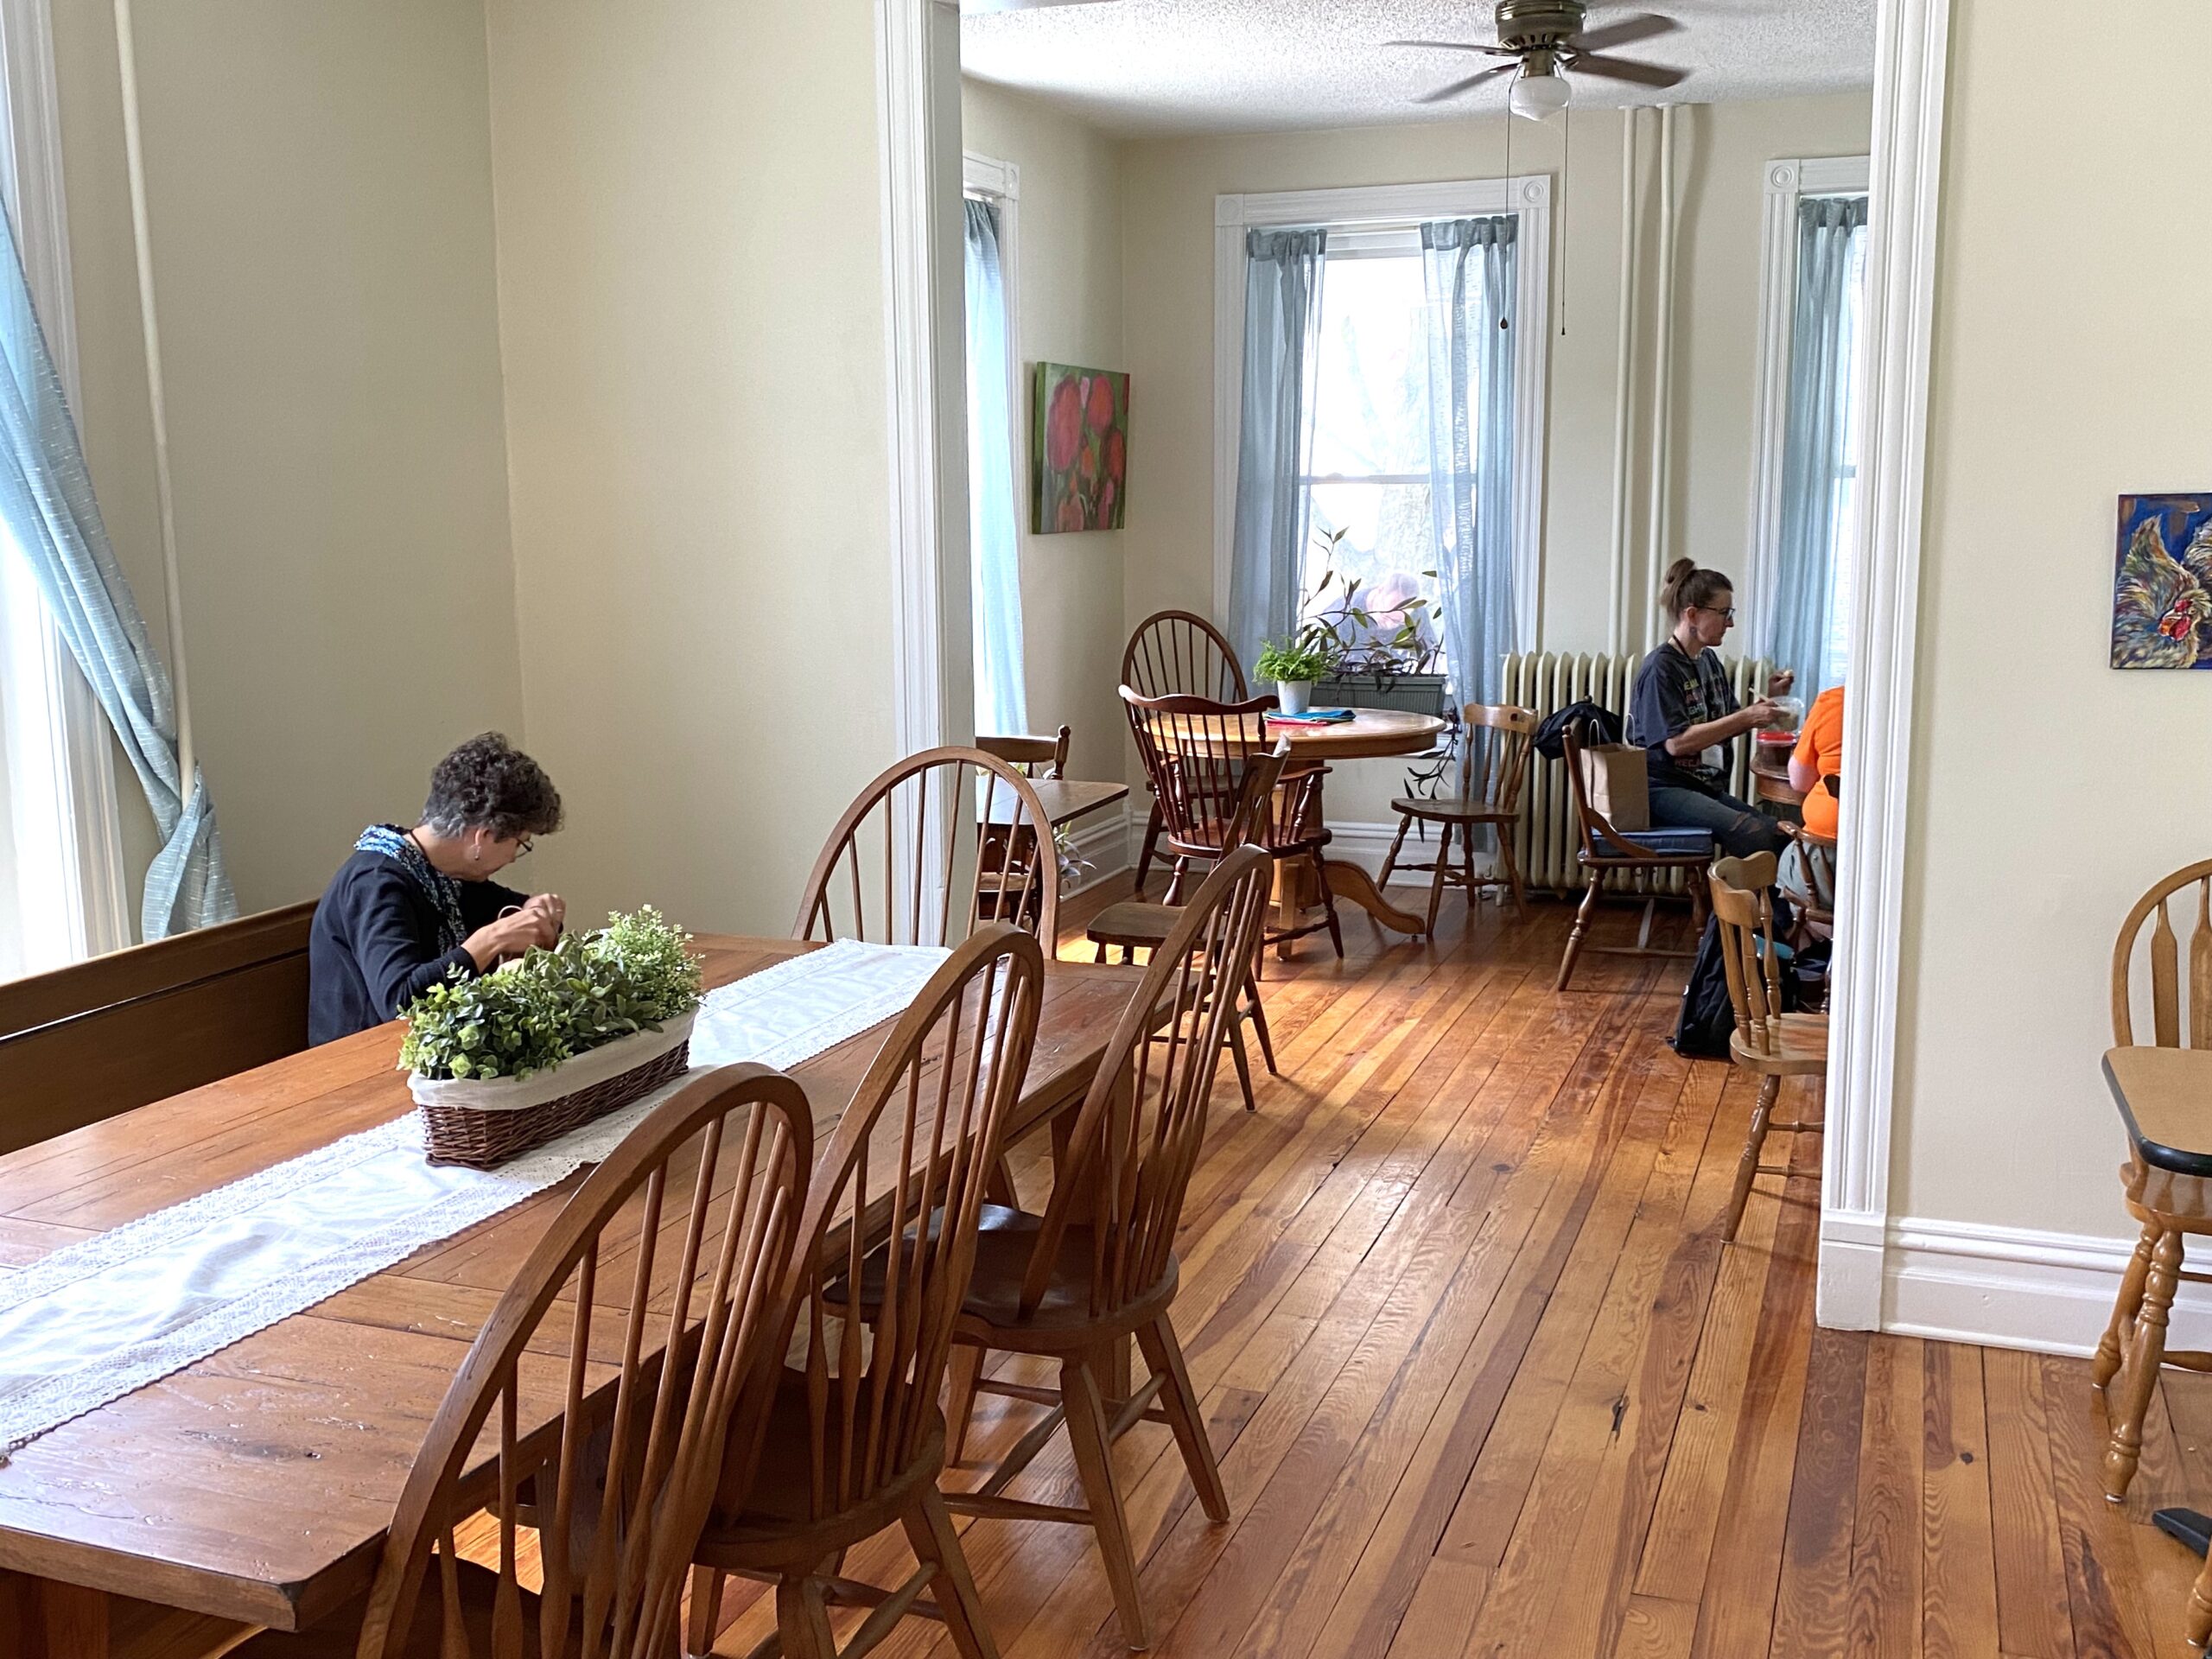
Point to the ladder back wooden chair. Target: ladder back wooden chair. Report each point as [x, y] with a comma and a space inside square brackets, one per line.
[1494, 748]
[1037, 756]
[940, 804]
[1649, 853]
[1768, 1043]
[1196, 753]
[603, 1459]
[2167, 1201]
[1099, 1265]
[1176, 653]
[854, 1439]
[1133, 924]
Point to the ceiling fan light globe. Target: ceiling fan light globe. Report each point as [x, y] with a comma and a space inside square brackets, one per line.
[1538, 97]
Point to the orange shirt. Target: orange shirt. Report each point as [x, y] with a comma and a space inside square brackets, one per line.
[1819, 745]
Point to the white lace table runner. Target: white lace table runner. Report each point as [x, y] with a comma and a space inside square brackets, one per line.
[96, 1319]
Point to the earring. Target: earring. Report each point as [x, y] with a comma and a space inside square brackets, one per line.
[476, 852]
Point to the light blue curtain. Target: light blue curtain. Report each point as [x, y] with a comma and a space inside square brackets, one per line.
[1282, 353]
[994, 550]
[1472, 270]
[1815, 442]
[46, 501]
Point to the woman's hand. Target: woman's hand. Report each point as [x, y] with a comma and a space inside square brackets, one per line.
[1779, 685]
[512, 935]
[554, 909]
[1760, 713]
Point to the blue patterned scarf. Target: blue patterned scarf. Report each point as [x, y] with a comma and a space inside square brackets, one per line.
[441, 890]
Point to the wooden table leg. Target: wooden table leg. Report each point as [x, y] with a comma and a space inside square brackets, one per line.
[40, 1618]
[1351, 883]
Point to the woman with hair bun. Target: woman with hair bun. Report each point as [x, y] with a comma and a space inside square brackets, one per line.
[414, 906]
[1683, 715]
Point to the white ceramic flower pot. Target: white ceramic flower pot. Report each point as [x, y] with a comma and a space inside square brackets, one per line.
[1296, 696]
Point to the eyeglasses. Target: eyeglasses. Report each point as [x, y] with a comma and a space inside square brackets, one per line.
[1729, 613]
[522, 849]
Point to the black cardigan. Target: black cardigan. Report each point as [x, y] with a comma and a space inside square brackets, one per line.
[374, 945]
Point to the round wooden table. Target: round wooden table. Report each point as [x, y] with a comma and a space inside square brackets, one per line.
[1370, 734]
[1770, 775]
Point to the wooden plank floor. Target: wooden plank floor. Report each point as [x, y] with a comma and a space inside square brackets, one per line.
[1484, 1381]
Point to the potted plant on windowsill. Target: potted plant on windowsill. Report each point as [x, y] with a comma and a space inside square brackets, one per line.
[1382, 638]
[503, 1063]
[1294, 665]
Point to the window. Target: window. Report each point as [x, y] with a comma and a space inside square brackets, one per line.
[993, 540]
[1368, 487]
[62, 895]
[1806, 506]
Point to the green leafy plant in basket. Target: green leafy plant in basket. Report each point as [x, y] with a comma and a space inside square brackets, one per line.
[550, 1006]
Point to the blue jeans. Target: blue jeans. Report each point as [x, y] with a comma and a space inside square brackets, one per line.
[1739, 829]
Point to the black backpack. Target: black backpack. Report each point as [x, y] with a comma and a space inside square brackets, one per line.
[1593, 723]
[1707, 1019]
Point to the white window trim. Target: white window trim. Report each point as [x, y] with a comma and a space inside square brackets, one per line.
[1788, 182]
[1527, 195]
[30, 174]
[1000, 181]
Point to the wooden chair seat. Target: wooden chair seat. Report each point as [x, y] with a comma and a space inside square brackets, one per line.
[1798, 1047]
[1132, 924]
[774, 1531]
[1605, 848]
[1457, 808]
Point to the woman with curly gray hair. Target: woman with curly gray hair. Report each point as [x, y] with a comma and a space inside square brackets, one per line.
[412, 907]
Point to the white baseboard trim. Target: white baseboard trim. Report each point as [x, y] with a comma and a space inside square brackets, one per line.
[2010, 1286]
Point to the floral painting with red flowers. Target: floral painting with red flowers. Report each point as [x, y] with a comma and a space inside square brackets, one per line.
[2162, 598]
[1082, 448]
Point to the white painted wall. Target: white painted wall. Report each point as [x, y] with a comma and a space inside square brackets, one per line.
[691, 312]
[2072, 343]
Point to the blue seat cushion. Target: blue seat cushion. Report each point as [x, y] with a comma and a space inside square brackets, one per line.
[1670, 841]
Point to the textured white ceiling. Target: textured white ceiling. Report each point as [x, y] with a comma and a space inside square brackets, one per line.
[1246, 66]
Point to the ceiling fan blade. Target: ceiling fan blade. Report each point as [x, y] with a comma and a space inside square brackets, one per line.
[1468, 84]
[971, 7]
[1629, 30]
[1641, 75]
[1459, 46]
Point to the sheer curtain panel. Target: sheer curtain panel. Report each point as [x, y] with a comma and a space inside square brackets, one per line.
[1282, 337]
[994, 550]
[1818, 480]
[46, 503]
[1470, 267]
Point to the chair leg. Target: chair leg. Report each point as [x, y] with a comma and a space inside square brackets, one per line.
[1508, 857]
[2145, 1353]
[1436, 881]
[2106, 1365]
[1328, 904]
[1180, 1401]
[1099, 955]
[1151, 845]
[1391, 858]
[702, 1622]
[1747, 1165]
[1258, 1012]
[802, 1618]
[1467, 868]
[2199, 1625]
[1581, 927]
[1175, 882]
[1235, 1041]
[963, 1370]
[1094, 1462]
[930, 1533]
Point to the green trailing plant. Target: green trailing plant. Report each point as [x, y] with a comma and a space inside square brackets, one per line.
[635, 974]
[1344, 631]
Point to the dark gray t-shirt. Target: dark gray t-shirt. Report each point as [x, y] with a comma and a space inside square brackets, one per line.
[1673, 693]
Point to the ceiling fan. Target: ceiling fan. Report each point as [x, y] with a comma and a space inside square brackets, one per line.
[1540, 40]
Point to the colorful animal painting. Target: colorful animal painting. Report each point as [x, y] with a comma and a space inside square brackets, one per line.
[2162, 599]
[1082, 449]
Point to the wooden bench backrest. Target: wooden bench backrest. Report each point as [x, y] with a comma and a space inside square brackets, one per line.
[99, 1037]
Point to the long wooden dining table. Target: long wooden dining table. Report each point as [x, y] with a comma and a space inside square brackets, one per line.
[257, 1484]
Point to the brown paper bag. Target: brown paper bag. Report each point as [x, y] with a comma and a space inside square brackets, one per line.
[1619, 780]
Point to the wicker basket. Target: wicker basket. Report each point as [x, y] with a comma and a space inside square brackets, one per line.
[484, 1123]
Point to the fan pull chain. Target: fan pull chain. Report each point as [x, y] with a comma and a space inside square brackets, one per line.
[1559, 210]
